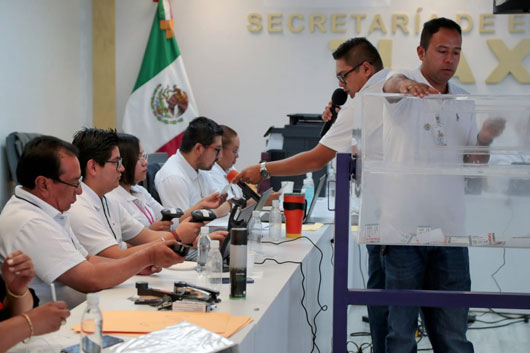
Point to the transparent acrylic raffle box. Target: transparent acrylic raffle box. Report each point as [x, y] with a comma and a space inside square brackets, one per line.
[426, 179]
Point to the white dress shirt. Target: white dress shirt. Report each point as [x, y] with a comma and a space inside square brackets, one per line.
[100, 223]
[36, 228]
[414, 201]
[339, 136]
[219, 182]
[180, 185]
[139, 204]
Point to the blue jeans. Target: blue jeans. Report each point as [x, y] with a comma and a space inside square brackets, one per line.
[378, 315]
[431, 268]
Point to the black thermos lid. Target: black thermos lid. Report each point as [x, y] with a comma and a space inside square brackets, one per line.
[238, 236]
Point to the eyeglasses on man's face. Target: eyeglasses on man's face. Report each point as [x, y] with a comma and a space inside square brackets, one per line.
[216, 149]
[76, 185]
[342, 77]
[118, 163]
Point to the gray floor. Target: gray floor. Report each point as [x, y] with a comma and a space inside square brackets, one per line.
[510, 339]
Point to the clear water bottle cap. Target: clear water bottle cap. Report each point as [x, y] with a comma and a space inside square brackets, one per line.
[205, 230]
[275, 203]
[309, 174]
[214, 244]
[92, 298]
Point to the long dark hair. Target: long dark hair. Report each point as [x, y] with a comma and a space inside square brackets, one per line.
[129, 146]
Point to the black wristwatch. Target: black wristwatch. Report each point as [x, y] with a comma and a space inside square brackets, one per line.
[263, 171]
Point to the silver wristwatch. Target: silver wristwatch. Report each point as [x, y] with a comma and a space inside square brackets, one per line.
[263, 171]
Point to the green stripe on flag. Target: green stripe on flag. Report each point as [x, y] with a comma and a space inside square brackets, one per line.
[160, 51]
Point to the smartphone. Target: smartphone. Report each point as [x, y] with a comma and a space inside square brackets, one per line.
[107, 342]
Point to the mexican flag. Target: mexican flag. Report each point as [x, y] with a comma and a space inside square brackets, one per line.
[161, 104]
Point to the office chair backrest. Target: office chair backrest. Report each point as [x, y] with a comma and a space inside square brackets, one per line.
[149, 182]
[15, 143]
[157, 157]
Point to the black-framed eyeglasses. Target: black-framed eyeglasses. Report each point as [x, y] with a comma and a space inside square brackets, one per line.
[77, 185]
[118, 163]
[342, 77]
[216, 149]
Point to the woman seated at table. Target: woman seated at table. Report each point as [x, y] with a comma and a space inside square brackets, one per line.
[225, 163]
[19, 320]
[135, 198]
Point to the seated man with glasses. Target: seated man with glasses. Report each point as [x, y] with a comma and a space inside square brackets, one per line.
[102, 225]
[35, 221]
[182, 181]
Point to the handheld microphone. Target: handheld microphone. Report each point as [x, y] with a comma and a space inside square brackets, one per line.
[248, 193]
[338, 98]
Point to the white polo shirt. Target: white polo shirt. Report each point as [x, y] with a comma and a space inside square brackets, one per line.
[100, 223]
[139, 204]
[409, 135]
[180, 185]
[339, 136]
[219, 182]
[36, 228]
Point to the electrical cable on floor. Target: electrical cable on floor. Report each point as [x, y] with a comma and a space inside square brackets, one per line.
[497, 326]
[508, 315]
[356, 347]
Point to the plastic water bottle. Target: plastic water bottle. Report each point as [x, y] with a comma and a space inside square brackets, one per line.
[91, 326]
[308, 188]
[203, 247]
[275, 221]
[255, 235]
[214, 266]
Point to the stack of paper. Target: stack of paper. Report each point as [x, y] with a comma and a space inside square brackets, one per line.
[141, 322]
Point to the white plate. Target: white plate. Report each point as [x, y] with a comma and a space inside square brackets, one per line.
[184, 266]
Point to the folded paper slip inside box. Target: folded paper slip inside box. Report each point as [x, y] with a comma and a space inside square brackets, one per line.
[141, 322]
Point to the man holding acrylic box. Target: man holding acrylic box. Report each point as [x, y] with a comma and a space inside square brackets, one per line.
[414, 132]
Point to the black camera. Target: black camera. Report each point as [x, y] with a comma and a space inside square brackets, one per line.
[203, 215]
[180, 249]
[169, 213]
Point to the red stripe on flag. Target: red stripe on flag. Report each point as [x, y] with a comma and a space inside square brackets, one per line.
[172, 145]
